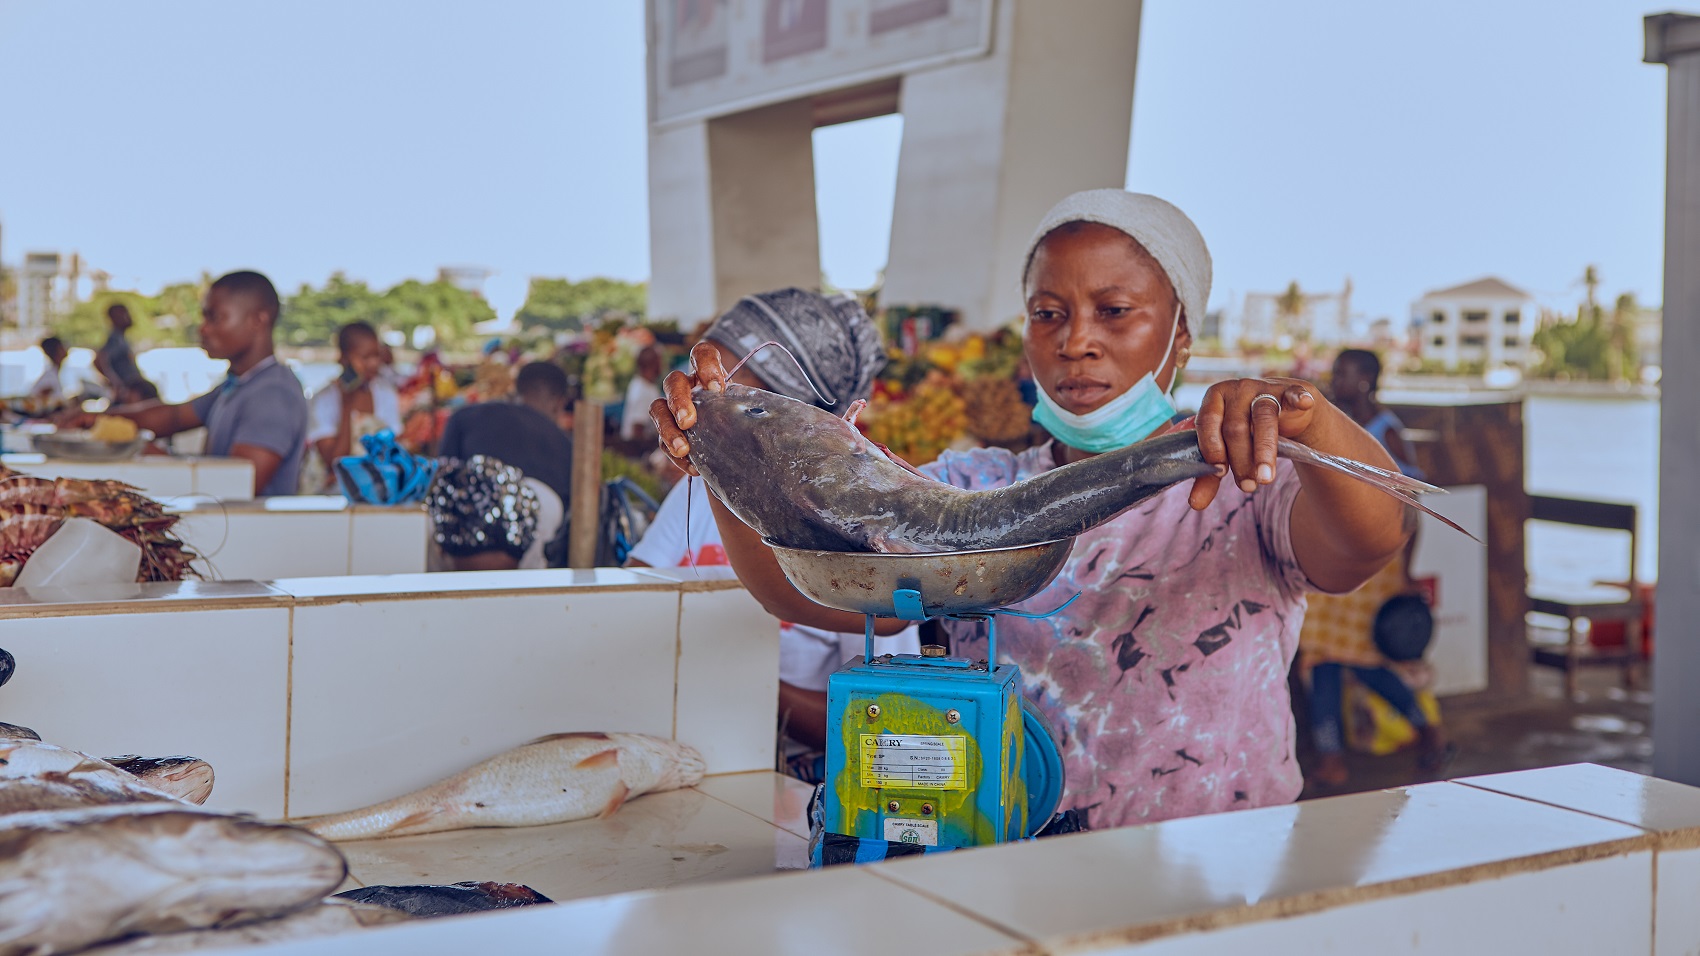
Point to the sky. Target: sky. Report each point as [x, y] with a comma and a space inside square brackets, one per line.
[1406, 146]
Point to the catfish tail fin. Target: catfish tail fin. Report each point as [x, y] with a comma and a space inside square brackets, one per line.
[1402, 487]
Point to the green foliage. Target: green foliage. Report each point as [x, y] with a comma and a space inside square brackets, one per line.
[1594, 345]
[158, 320]
[443, 306]
[563, 305]
[312, 316]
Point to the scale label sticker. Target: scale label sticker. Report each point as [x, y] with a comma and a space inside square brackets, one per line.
[915, 760]
[916, 832]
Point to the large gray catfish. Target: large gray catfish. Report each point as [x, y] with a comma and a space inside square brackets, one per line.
[805, 478]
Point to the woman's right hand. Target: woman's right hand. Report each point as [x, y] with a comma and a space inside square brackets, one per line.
[675, 412]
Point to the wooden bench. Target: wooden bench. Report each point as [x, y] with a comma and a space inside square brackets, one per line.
[1606, 601]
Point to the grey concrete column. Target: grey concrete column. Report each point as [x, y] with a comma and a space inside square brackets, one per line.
[731, 210]
[991, 144]
[1674, 40]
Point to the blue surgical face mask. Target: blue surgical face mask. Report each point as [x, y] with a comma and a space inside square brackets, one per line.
[1122, 420]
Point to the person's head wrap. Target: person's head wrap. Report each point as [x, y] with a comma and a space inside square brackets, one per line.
[481, 504]
[1163, 230]
[831, 337]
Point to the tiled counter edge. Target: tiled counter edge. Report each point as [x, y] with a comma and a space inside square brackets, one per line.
[414, 654]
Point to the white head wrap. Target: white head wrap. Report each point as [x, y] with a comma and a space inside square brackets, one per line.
[1163, 230]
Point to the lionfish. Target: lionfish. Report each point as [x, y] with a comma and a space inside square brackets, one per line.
[32, 509]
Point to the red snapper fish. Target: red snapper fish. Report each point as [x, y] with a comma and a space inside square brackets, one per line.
[553, 779]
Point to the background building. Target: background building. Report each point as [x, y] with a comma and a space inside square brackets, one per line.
[1284, 319]
[1487, 323]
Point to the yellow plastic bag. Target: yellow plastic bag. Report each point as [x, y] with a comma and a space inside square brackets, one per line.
[1373, 726]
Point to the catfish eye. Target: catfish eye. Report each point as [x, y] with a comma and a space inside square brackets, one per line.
[756, 411]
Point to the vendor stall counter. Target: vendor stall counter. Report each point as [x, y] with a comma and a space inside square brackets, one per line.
[157, 476]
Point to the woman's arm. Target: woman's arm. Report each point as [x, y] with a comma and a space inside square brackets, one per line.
[340, 444]
[751, 558]
[758, 570]
[1342, 530]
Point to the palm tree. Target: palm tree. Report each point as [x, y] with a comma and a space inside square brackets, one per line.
[1591, 281]
[1289, 306]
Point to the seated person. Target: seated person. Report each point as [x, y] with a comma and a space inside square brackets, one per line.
[1337, 637]
[360, 402]
[48, 389]
[527, 433]
[841, 345]
[115, 361]
[260, 412]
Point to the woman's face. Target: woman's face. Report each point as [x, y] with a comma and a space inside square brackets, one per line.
[365, 357]
[1099, 315]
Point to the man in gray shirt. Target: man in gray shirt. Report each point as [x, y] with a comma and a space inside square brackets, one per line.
[260, 412]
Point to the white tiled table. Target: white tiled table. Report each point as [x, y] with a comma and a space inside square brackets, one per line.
[300, 536]
[158, 476]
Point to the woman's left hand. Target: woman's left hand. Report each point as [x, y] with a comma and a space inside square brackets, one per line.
[1238, 426]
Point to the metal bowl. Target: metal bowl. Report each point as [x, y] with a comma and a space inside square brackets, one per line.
[954, 582]
[77, 446]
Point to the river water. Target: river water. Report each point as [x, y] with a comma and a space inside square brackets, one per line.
[1606, 449]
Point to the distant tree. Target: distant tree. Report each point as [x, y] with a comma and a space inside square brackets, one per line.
[85, 325]
[312, 316]
[177, 309]
[1591, 346]
[443, 306]
[564, 305]
[1591, 282]
[8, 296]
[1289, 308]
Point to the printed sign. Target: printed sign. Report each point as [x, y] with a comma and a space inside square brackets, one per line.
[917, 761]
[715, 57]
[915, 832]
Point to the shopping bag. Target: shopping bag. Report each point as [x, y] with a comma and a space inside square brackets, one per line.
[386, 475]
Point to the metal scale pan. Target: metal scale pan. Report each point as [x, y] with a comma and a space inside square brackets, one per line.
[954, 582]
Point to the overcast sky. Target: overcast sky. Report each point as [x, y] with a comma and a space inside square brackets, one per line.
[1408, 146]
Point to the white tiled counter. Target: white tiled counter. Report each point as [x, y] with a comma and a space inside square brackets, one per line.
[311, 695]
[300, 536]
[158, 476]
[1562, 860]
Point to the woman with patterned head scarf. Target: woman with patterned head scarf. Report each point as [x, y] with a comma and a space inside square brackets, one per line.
[1167, 678]
[837, 345]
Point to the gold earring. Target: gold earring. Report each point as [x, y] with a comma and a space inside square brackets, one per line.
[1183, 356]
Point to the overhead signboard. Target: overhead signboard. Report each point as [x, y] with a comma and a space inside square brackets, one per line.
[713, 57]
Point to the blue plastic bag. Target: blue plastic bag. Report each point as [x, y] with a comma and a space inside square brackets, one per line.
[386, 475]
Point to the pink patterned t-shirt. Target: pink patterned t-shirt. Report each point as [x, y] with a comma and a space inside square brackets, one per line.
[1167, 679]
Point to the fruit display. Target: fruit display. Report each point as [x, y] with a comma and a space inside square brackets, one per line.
[921, 423]
[995, 412]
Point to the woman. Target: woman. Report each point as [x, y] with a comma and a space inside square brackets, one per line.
[1167, 677]
[360, 402]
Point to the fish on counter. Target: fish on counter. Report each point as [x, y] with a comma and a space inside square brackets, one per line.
[38, 776]
[824, 486]
[553, 779]
[17, 730]
[453, 899]
[326, 919]
[186, 778]
[72, 878]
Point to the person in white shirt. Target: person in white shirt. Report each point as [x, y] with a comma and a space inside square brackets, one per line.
[644, 389]
[834, 339]
[49, 387]
[360, 402]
